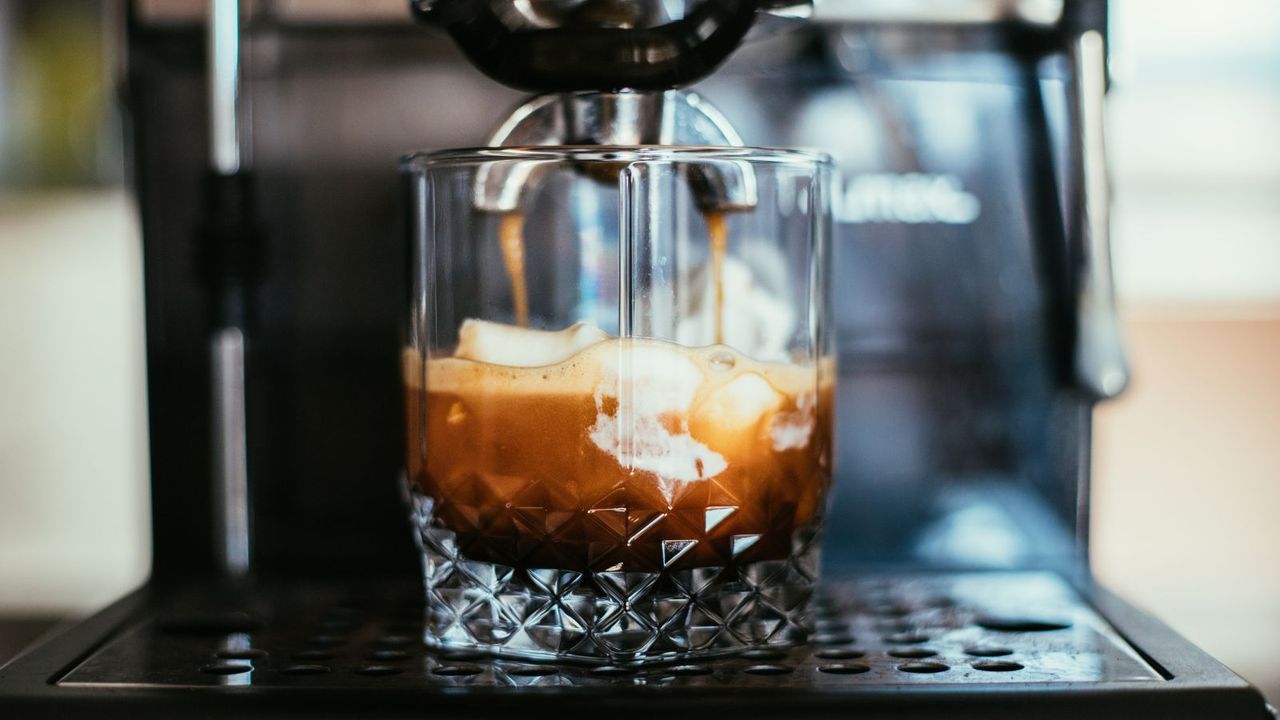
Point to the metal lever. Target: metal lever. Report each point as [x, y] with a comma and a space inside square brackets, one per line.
[1101, 367]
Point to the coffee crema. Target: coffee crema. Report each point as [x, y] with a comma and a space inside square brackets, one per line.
[629, 454]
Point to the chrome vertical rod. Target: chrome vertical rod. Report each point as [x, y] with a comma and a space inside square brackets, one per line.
[227, 339]
[224, 86]
[1101, 366]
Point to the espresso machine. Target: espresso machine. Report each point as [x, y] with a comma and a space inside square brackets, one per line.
[974, 321]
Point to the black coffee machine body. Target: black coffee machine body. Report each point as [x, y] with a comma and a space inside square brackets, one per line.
[974, 318]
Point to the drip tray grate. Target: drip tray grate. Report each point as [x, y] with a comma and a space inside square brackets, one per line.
[973, 628]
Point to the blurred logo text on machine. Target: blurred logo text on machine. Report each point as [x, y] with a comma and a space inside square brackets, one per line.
[910, 198]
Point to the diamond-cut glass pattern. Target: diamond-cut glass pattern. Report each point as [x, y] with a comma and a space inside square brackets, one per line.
[536, 522]
[609, 613]
[873, 634]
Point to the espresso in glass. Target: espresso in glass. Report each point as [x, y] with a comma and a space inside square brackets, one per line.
[619, 453]
[632, 455]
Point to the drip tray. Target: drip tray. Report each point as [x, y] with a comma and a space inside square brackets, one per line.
[963, 629]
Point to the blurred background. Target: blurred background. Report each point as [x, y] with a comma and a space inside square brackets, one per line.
[1187, 463]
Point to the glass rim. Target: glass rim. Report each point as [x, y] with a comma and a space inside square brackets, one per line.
[618, 153]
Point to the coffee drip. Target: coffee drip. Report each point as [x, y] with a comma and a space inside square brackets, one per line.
[511, 238]
[718, 234]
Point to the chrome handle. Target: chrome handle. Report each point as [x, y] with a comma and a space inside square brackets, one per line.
[1101, 367]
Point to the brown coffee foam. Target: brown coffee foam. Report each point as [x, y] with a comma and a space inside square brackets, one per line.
[582, 371]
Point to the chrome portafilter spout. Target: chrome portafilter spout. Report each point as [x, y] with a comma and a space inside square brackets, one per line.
[610, 69]
[662, 117]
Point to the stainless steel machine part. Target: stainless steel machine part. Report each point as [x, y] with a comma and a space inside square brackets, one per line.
[1101, 367]
[991, 630]
[674, 117]
[1041, 13]
[227, 343]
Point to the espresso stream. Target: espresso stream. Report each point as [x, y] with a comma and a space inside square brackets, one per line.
[718, 234]
[511, 238]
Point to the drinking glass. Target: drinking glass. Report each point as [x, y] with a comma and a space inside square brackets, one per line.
[618, 385]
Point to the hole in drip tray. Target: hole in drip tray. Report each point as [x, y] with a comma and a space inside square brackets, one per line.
[988, 651]
[997, 665]
[305, 669]
[762, 654]
[380, 670]
[1022, 624]
[226, 668]
[612, 671]
[844, 668]
[923, 666]
[769, 670]
[457, 670]
[530, 671]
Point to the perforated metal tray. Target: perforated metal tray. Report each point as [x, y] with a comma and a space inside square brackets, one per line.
[955, 629]
[918, 647]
